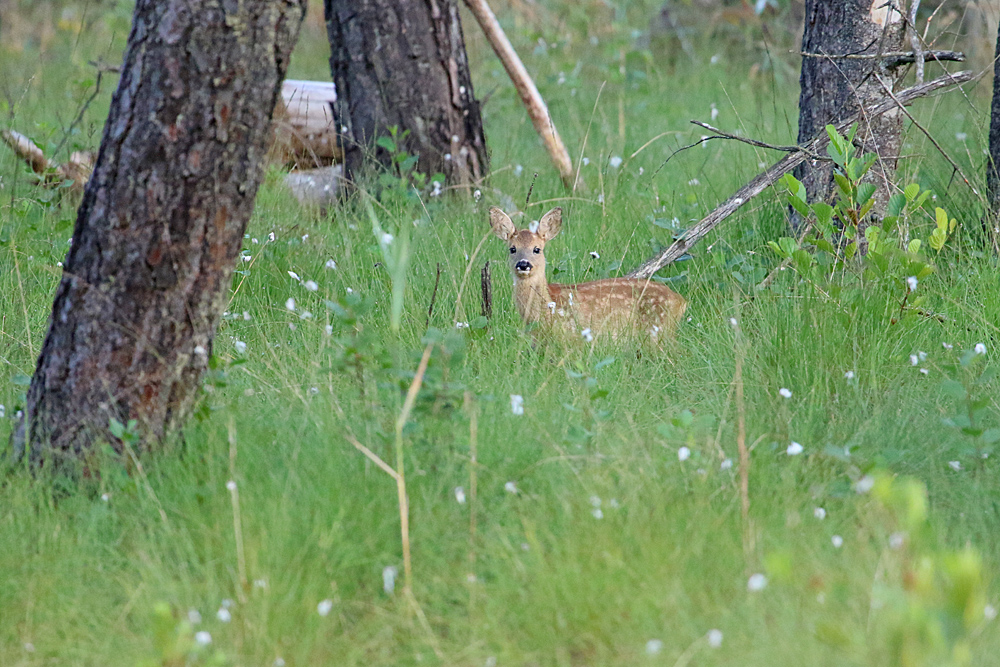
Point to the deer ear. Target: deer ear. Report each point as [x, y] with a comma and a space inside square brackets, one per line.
[550, 224]
[501, 224]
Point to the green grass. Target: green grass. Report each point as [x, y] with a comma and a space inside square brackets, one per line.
[553, 584]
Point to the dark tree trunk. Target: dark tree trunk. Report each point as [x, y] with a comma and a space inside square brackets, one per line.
[835, 88]
[402, 63]
[161, 222]
[993, 164]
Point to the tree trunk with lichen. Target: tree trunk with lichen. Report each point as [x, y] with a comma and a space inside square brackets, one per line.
[161, 223]
[834, 88]
[403, 64]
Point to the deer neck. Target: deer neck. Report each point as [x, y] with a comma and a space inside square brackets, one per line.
[531, 296]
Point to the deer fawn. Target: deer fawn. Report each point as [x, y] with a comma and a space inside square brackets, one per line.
[614, 307]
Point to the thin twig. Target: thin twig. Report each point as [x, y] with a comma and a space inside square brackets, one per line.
[101, 69]
[954, 165]
[754, 142]
[764, 180]
[915, 40]
[531, 188]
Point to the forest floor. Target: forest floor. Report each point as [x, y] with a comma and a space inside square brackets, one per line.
[602, 525]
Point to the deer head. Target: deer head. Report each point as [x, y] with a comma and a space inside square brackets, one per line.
[527, 248]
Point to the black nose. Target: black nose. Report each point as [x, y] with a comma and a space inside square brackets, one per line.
[523, 265]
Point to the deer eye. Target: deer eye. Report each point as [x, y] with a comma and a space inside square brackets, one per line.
[512, 250]
[537, 250]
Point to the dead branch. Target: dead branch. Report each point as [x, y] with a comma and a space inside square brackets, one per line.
[77, 170]
[487, 288]
[719, 134]
[768, 178]
[526, 88]
[893, 58]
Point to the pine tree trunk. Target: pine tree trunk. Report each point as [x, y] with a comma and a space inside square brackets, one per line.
[834, 88]
[161, 222]
[993, 164]
[402, 63]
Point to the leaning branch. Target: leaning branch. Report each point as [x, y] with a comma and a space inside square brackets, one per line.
[526, 88]
[768, 178]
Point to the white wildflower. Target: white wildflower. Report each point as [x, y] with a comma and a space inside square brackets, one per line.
[330, 264]
[231, 485]
[240, 346]
[961, 136]
[294, 276]
[477, 195]
[386, 239]
[980, 348]
[510, 487]
[461, 325]
[310, 285]
[849, 375]
[587, 335]
[223, 615]
[727, 464]
[641, 170]
[989, 612]
[914, 360]
[794, 449]
[683, 454]
[194, 616]
[694, 181]
[864, 485]
[324, 607]
[714, 637]
[270, 237]
[819, 513]
[654, 646]
[305, 315]
[260, 583]
[733, 323]
[595, 501]
[756, 582]
[105, 497]
[785, 393]
[947, 346]
[460, 495]
[615, 162]
[837, 541]
[389, 579]
[203, 638]
[3, 411]
[586, 161]
[600, 198]
[517, 170]
[955, 465]
[517, 404]
[329, 329]
[924, 371]
[911, 283]
[897, 540]
[922, 356]
[200, 351]
[290, 304]
[598, 514]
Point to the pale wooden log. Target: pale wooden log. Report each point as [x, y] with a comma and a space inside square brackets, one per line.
[304, 129]
[532, 99]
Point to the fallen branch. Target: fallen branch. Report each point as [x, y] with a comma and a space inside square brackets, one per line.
[768, 178]
[526, 88]
[719, 134]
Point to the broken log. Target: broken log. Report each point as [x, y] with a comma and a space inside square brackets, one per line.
[76, 170]
[768, 178]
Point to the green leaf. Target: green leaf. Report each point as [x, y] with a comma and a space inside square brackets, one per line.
[386, 143]
[897, 203]
[913, 247]
[824, 213]
[991, 435]
[911, 191]
[954, 389]
[116, 427]
[607, 361]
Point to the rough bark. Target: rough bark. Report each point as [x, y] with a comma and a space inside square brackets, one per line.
[835, 88]
[402, 63]
[993, 164]
[161, 222]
